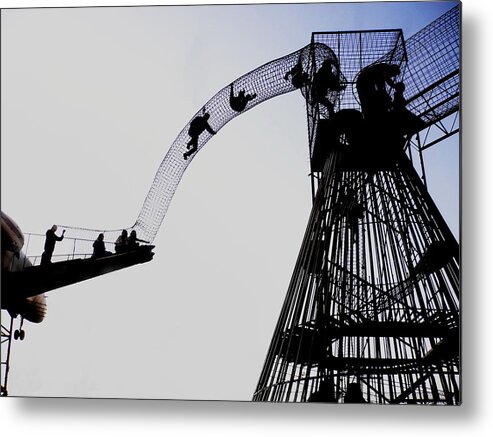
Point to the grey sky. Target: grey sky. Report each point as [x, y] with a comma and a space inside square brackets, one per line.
[91, 100]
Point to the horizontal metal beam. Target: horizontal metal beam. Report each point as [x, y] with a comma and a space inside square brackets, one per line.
[443, 137]
[433, 85]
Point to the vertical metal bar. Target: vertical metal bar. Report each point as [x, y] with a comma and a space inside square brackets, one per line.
[26, 250]
[7, 361]
[421, 161]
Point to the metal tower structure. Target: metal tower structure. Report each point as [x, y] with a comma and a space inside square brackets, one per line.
[372, 309]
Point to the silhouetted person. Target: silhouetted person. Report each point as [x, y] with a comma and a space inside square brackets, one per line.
[99, 247]
[405, 121]
[133, 240]
[354, 394]
[238, 103]
[371, 86]
[121, 244]
[198, 125]
[51, 239]
[326, 80]
[399, 102]
[298, 76]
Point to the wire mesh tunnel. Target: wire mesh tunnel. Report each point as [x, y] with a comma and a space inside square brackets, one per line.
[274, 78]
[425, 98]
[264, 83]
[432, 92]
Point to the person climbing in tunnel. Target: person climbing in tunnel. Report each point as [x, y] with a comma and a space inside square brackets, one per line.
[326, 79]
[371, 85]
[298, 76]
[238, 103]
[198, 125]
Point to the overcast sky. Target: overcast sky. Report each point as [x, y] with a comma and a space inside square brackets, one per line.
[91, 100]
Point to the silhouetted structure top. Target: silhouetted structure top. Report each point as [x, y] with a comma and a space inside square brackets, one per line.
[371, 85]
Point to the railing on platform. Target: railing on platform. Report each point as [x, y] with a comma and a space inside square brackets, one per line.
[69, 248]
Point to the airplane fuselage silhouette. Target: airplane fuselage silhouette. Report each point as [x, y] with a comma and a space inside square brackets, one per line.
[24, 285]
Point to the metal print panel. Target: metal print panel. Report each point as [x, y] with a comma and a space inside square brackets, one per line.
[309, 253]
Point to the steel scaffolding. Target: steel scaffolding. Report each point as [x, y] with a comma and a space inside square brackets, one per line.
[372, 309]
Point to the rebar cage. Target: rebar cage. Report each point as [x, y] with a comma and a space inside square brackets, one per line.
[372, 309]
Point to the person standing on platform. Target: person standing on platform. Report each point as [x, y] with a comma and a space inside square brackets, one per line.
[51, 239]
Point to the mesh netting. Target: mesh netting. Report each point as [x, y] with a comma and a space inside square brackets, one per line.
[430, 74]
[359, 49]
[429, 62]
[356, 51]
[432, 85]
[274, 78]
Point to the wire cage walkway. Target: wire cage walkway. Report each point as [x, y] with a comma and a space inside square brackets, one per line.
[265, 82]
[431, 90]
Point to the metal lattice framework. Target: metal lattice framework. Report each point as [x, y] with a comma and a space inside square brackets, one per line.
[354, 51]
[372, 309]
[374, 296]
[432, 75]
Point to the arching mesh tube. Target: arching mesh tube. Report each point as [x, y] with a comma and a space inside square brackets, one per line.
[265, 82]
